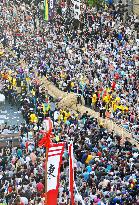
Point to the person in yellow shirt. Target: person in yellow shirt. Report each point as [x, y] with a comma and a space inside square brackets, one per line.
[72, 84]
[46, 107]
[14, 82]
[121, 107]
[68, 113]
[1, 53]
[27, 79]
[2, 75]
[65, 116]
[33, 118]
[89, 158]
[94, 100]
[9, 78]
[106, 100]
[114, 105]
[117, 99]
[60, 117]
[62, 75]
[57, 138]
[33, 92]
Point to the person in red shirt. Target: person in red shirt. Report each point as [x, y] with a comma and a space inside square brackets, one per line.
[40, 187]
[113, 85]
[116, 76]
[99, 154]
[10, 189]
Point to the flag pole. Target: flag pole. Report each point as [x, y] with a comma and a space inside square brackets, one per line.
[46, 176]
[71, 172]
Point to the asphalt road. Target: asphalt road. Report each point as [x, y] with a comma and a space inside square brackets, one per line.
[10, 114]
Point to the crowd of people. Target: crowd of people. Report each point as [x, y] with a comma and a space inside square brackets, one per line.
[98, 61]
[100, 66]
[106, 171]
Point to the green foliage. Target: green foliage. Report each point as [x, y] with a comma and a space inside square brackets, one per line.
[96, 3]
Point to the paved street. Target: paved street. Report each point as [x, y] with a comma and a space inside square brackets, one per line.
[11, 115]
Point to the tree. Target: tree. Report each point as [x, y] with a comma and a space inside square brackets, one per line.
[96, 3]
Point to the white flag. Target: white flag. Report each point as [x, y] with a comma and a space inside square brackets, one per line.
[55, 153]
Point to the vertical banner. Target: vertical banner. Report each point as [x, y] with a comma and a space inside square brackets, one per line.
[46, 10]
[51, 9]
[71, 173]
[77, 9]
[55, 153]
